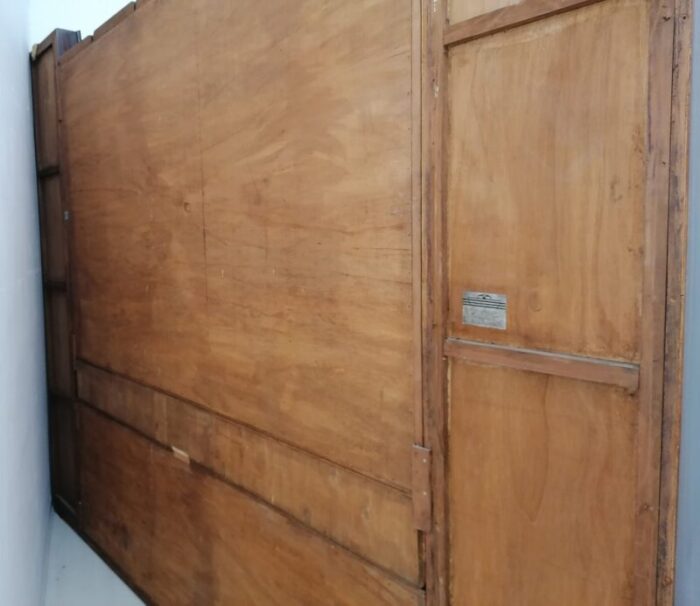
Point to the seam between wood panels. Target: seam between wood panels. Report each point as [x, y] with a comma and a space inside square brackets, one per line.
[198, 467]
[400, 489]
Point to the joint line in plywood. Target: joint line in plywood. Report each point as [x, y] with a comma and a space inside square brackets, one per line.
[197, 467]
[87, 363]
[581, 368]
[508, 17]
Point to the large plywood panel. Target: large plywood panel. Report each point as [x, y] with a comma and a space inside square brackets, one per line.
[546, 178]
[459, 10]
[241, 188]
[187, 538]
[542, 476]
[364, 515]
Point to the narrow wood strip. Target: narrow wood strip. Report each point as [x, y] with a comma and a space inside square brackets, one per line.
[656, 205]
[114, 20]
[508, 17]
[580, 368]
[437, 558]
[675, 297]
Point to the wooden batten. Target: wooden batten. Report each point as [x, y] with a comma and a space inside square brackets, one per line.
[522, 13]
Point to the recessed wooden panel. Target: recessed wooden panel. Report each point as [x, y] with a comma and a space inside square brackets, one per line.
[64, 446]
[141, 504]
[542, 479]
[546, 179]
[46, 116]
[459, 10]
[364, 515]
[243, 216]
[54, 228]
[59, 362]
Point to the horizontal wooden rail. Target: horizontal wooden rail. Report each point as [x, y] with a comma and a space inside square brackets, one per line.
[505, 18]
[609, 372]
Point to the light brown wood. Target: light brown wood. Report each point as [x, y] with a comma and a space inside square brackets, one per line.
[544, 183]
[677, 253]
[513, 15]
[459, 10]
[558, 365]
[434, 299]
[255, 256]
[557, 194]
[364, 515]
[542, 489]
[660, 30]
[192, 539]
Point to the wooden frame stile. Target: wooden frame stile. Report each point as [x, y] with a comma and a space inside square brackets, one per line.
[661, 40]
[435, 300]
[675, 298]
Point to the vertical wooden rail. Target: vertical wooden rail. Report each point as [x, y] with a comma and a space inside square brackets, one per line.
[54, 217]
[434, 301]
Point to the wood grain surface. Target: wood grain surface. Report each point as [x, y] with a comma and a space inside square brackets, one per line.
[246, 241]
[366, 516]
[185, 537]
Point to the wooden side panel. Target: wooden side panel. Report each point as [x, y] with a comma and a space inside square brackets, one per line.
[64, 451]
[459, 10]
[59, 361]
[546, 182]
[364, 515]
[54, 250]
[223, 547]
[246, 243]
[542, 489]
[57, 309]
[46, 109]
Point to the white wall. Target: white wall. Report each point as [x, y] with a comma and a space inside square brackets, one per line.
[83, 15]
[24, 478]
[24, 475]
[688, 554]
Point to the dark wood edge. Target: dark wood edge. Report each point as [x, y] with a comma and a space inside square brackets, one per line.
[581, 368]
[197, 467]
[114, 20]
[507, 18]
[74, 50]
[48, 171]
[60, 41]
[675, 299]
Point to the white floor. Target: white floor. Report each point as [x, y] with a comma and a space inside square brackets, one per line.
[78, 577]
